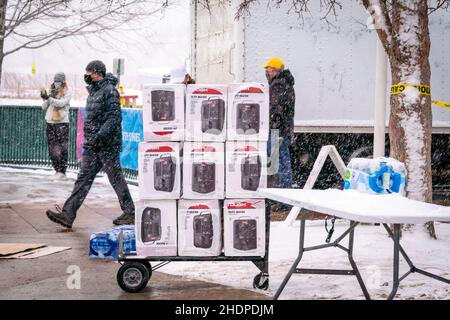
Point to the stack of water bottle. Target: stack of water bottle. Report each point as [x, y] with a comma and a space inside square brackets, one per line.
[376, 176]
[105, 244]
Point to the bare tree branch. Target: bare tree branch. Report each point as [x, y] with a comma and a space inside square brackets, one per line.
[59, 19]
[329, 7]
[440, 4]
[380, 11]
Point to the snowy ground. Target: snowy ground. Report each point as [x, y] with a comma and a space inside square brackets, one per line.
[372, 252]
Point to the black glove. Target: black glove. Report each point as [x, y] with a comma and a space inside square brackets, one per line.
[44, 94]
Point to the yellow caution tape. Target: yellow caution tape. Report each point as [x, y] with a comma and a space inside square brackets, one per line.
[441, 103]
[424, 90]
[401, 87]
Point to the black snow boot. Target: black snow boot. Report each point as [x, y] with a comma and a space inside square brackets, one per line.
[59, 217]
[126, 218]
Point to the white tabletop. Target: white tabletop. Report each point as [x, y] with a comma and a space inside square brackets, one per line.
[356, 206]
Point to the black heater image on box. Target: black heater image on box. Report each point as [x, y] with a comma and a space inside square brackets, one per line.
[203, 177]
[164, 170]
[151, 225]
[250, 172]
[203, 231]
[163, 105]
[213, 116]
[245, 234]
[247, 118]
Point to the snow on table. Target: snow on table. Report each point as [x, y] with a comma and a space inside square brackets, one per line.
[356, 206]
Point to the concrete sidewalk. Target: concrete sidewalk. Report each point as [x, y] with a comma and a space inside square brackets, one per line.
[46, 277]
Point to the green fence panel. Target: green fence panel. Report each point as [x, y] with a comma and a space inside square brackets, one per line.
[23, 139]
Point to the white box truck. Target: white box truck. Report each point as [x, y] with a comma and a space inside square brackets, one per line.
[333, 65]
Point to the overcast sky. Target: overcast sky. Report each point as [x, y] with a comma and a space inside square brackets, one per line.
[166, 48]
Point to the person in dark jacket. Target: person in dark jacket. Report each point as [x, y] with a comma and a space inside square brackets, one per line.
[102, 146]
[282, 108]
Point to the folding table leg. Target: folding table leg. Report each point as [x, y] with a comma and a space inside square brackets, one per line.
[299, 257]
[398, 249]
[353, 264]
[396, 239]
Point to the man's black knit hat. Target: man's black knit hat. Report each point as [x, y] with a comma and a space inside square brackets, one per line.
[97, 66]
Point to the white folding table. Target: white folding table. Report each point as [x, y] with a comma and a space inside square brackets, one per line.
[359, 208]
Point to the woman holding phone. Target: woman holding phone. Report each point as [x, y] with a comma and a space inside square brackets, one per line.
[56, 104]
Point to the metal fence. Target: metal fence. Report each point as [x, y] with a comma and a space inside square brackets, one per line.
[23, 141]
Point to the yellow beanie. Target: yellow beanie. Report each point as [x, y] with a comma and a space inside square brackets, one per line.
[276, 63]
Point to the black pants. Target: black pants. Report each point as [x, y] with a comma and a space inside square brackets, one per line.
[91, 164]
[57, 136]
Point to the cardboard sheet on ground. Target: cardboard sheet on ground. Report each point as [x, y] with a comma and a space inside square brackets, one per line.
[7, 249]
[36, 253]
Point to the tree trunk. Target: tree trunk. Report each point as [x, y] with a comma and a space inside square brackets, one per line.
[3, 6]
[1, 66]
[410, 122]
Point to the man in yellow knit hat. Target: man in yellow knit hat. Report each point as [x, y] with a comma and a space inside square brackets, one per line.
[282, 108]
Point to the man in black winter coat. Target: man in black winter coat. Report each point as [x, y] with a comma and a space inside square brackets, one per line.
[102, 146]
[282, 109]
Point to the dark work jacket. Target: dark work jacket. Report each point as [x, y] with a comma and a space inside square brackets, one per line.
[103, 118]
[282, 103]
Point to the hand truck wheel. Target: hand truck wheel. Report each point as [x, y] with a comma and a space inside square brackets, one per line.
[133, 276]
[149, 268]
[261, 281]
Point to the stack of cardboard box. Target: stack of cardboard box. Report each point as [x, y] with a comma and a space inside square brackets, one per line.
[246, 169]
[200, 214]
[204, 150]
[159, 175]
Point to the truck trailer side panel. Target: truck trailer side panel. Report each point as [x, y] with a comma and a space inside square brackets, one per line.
[333, 64]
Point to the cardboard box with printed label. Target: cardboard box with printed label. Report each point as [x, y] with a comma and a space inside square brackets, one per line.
[199, 228]
[203, 170]
[246, 168]
[159, 170]
[156, 228]
[248, 112]
[206, 117]
[244, 227]
[163, 112]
